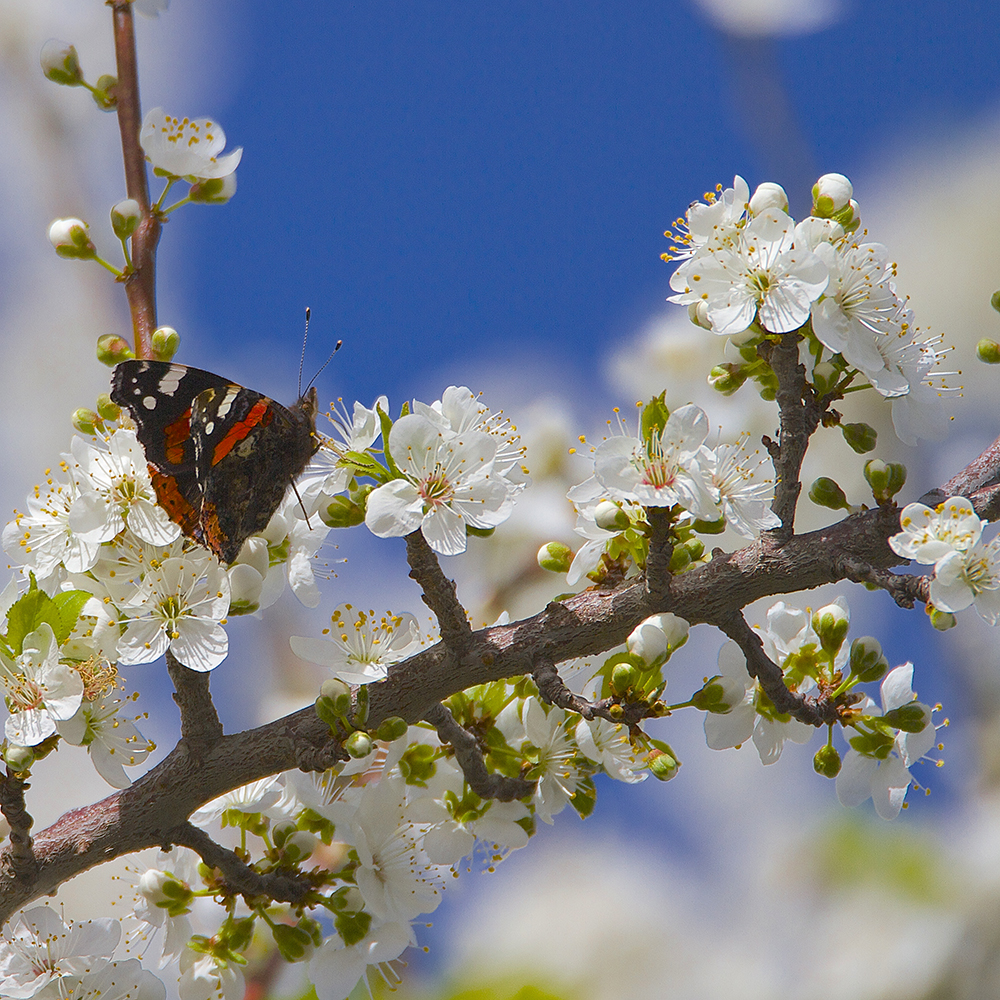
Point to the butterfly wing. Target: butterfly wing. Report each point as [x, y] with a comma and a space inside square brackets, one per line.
[159, 396]
[248, 449]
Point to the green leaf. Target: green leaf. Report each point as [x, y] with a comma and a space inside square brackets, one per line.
[69, 604]
[364, 464]
[386, 422]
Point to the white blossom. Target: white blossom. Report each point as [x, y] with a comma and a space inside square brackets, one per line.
[361, 647]
[41, 691]
[607, 744]
[39, 953]
[186, 147]
[448, 484]
[712, 223]
[763, 277]
[745, 502]
[663, 471]
[115, 488]
[335, 968]
[179, 605]
[887, 780]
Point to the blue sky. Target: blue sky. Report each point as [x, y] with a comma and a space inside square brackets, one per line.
[452, 185]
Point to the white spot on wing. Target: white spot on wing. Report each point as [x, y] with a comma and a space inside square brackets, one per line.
[224, 407]
[172, 379]
[149, 402]
[210, 427]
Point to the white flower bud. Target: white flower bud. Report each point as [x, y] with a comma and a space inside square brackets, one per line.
[768, 195]
[151, 884]
[299, 845]
[60, 63]
[609, 516]
[831, 193]
[70, 238]
[652, 639]
[245, 585]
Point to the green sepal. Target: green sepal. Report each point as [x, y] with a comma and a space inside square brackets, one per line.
[710, 527]
[875, 744]
[352, 927]
[385, 422]
[479, 532]
[585, 798]
[361, 463]
[293, 942]
[908, 718]
[418, 765]
[654, 416]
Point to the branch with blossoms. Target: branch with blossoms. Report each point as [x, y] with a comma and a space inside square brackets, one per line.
[326, 835]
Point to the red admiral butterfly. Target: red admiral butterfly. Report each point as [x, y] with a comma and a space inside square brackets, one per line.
[221, 456]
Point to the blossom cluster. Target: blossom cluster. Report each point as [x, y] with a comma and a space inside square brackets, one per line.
[949, 538]
[811, 650]
[748, 270]
[666, 464]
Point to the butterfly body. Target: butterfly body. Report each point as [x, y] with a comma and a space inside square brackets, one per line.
[221, 456]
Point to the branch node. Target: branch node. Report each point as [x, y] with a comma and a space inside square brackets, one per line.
[473, 764]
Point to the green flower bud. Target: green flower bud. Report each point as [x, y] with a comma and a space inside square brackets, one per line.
[125, 217]
[19, 759]
[616, 712]
[107, 409]
[293, 943]
[71, 240]
[995, 301]
[885, 478]
[85, 421]
[343, 513]
[831, 193]
[298, 846]
[623, 676]
[105, 92]
[214, 191]
[727, 378]
[695, 548]
[831, 624]
[911, 718]
[164, 342]
[662, 765]
[239, 933]
[826, 493]
[334, 688]
[941, 620]
[280, 832]
[827, 761]
[555, 557]
[867, 662]
[861, 437]
[987, 350]
[391, 729]
[60, 63]
[358, 745]
[709, 527]
[609, 516]
[824, 377]
[112, 349]
[326, 710]
[680, 559]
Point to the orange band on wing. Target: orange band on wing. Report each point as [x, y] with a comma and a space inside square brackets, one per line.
[260, 413]
[171, 499]
[175, 437]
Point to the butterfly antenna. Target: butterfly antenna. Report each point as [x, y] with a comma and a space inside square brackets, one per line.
[302, 505]
[325, 363]
[302, 358]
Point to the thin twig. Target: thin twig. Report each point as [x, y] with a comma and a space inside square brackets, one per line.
[200, 724]
[811, 711]
[438, 593]
[12, 805]
[471, 761]
[905, 589]
[239, 876]
[140, 286]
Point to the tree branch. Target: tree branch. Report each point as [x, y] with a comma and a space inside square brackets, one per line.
[12, 805]
[438, 593]
[140, 285]
[660, 552]
[200, 723]
[470, 759]
[812, 711]
[239, 876]
[799, 417]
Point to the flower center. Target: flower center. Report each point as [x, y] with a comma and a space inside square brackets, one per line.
[436, 490]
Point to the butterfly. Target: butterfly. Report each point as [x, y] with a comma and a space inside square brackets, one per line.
[221, 456]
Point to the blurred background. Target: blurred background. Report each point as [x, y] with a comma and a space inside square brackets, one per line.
[476, 194]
